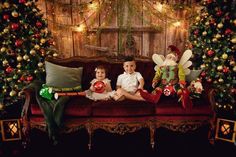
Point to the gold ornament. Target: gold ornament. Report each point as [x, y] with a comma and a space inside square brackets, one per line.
[220, 67]
[25, 57]
[12, 93]
[232, 63]
[6, 5]
[220, 80]
[198, 18]
[15, 14]
[234, 22]
[18, 66]
[207, 23]
[234, 68]
[233, 40]
[6, 30]
[3, 49]
[216, 58]
[214, 40]
[220, 25]
[9, 79]
[218, 36]
[204, 33]
[1, 106]
[5, 62]
[32, 52]
[40, 64]
[37, 47]
[224, 56]
[43, 40]
[19, 58]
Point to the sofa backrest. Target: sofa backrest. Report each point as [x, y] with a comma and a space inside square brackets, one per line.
[114, 68]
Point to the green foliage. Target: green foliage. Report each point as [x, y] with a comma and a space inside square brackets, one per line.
[213, 37]
[24, 44]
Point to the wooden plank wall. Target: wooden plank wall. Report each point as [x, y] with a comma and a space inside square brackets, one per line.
[64, 15]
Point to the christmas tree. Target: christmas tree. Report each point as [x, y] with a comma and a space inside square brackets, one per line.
[213, 39]
[24, 43]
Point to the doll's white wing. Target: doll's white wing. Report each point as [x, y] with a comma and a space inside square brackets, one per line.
[184, 61]
[185, 57]
[158, 59]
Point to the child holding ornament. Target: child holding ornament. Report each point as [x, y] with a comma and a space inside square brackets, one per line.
[100, 88]
[129, 83]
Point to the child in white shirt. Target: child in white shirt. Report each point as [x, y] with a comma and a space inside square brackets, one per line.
[129, 83]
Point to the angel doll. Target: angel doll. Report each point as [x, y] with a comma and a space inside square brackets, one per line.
[169, 78]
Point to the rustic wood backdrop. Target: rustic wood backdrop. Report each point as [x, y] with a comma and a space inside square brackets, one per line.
[117, 27]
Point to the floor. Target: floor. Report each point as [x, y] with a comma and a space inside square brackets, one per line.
[105, 144]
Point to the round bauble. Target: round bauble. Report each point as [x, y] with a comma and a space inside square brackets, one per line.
[12, 93]
[15, 14]
[220, 25]
[224, 56]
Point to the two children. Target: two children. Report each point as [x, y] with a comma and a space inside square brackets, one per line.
[128, 84]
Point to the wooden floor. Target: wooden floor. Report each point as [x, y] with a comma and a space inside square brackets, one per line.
[168, 143]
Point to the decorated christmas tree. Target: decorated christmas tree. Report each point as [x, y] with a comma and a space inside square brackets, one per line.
[24, 43]
[213, 38]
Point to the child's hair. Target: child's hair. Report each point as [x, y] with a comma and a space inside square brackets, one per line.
[101, 67]
[129, 58]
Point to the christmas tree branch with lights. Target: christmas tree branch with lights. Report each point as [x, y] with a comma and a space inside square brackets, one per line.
[24, 44]
[213, 39]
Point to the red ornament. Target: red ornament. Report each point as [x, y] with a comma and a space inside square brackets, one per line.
[210, 52]
[22, 78]
[212, 21]
[203, 74]
[225, 69]
[5, 17]
[39, 24]
[37, 35]
[18, 42]
[9, 69]
[228, 31]
[219, 13]
[22, 1]
[99, 86]
[14, 26]
[29, 78]
[209, 1]
[196, 32]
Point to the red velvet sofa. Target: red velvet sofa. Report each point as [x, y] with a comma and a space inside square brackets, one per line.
[123, 116]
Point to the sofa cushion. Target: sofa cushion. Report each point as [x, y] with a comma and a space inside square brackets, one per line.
[124, 108]
[61, 76]
[171, 106]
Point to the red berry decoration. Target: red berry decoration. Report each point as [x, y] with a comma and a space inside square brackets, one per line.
[228, 31]
[29, 78]
[99, 86]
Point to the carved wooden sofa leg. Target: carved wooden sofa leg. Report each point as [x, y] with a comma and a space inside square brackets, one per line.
[90, 130]
[152, 129]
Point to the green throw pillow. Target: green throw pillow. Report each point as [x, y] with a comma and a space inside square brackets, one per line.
[62, 77]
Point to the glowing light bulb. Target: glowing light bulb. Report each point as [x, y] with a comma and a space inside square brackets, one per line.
[80, 28]
[177, 24]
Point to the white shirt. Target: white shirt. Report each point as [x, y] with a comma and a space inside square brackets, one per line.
[129, 82]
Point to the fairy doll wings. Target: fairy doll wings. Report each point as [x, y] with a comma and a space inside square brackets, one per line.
[184, 61]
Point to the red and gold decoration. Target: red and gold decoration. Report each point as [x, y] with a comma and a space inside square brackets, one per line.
[24, 44]
[226, 130]
[212, 36]
[10, 129]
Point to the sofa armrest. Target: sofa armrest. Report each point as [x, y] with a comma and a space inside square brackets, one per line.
[28, 98]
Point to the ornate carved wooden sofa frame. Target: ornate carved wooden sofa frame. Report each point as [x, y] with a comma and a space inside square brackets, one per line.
[120, 117]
